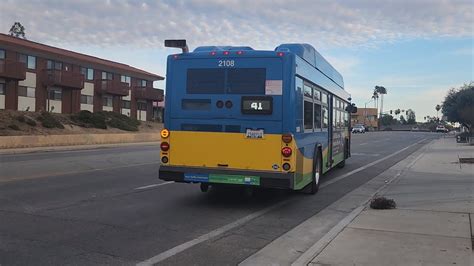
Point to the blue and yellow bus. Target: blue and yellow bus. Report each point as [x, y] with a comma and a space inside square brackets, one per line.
[235, 115]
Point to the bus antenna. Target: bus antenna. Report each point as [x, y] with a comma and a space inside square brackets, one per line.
[177, 44]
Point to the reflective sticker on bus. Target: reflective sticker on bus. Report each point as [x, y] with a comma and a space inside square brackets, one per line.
[273, 87]
[196, 177]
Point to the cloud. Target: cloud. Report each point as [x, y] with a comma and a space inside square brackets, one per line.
[263, 24]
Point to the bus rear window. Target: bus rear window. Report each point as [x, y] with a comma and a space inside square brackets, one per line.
[230, 80]
[205, 81]
[246, 81]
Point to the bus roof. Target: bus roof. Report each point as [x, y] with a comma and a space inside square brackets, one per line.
[303, 50]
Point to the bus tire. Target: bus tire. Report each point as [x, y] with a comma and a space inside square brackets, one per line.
[313, 187]
[204, 187]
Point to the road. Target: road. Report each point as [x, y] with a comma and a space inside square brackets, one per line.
[107, 206]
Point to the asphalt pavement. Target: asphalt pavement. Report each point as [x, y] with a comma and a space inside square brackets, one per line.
[107, 206]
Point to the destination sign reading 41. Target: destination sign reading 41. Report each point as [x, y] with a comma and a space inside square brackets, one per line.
[257, 105]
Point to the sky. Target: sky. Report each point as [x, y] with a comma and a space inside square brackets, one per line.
[416, 49]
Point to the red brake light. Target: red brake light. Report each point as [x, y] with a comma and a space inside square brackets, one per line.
[286, 138]
[226, 52]
[240, 52]
[165, 146]
[280, 54]
[212, 53]
[286, 151]
[175, 56]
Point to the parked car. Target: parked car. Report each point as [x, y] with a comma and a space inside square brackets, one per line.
[358, 129]
[441, 128]
[415, 129]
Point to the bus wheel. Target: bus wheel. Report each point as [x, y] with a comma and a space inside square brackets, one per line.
[314, 185]
[204, 187]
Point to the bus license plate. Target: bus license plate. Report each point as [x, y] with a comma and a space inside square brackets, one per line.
[254, 134]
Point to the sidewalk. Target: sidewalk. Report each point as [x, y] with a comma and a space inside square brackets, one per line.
[432, 225]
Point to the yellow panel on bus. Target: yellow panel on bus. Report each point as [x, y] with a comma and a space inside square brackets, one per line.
[229, 150]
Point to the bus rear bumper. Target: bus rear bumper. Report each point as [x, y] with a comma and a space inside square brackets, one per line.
[226, 176]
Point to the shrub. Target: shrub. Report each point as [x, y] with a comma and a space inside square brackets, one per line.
[14, 127]
[30, 122]
[88, 119]
[382, 203]
[21, 118]
[49, 121]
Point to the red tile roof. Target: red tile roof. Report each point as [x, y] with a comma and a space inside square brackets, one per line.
[13, 41]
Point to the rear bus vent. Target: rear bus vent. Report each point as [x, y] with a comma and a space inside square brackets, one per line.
[232, 128]
[201, 127]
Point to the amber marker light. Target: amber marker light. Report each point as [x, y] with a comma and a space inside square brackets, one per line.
[165, 133]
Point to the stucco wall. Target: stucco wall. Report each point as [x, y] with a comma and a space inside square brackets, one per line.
[25, 102]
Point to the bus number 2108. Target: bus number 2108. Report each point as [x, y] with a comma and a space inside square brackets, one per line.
[226, 63]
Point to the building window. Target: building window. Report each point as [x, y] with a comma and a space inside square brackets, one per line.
[55, 94]
[26, 91]
[107, 75]
[143, 83]
[29, 60]
[141, 106]
[88, 73]
[2, 88]
[2, 54]
[125, 79]
[125, 104]
[87, 99]
[50, 64]
[107, 101]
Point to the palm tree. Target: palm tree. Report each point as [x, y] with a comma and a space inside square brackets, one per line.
[438, 107]
[381, 90]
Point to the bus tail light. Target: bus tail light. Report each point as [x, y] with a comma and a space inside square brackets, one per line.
[165, 133]
[240, 52]
[165, 146]
[286, 138]
[226, 52]
[286, 166]
[164, 159]
[280, 54]
[212, 53]
[286, 151]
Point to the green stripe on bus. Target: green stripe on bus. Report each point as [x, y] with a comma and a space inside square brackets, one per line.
[234, 179]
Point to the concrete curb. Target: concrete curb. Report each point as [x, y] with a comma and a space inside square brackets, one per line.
[15, 142]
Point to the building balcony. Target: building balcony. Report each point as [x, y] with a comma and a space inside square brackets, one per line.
[65, 79]
[147, 93]
[12, 70]
[105, 86]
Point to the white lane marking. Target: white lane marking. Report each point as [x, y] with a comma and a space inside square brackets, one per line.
[334, 180]
[364, 154]
[365, 143]
[173, 251]
[155, 185]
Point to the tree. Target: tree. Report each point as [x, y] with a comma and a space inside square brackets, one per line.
[381, 90]
[17, 30]
[387, 120]
[438, 107]
[411, 118]
[458, 106]
[402, 120]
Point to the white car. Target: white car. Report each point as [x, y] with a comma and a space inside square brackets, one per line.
[441, 128]
[358, 129]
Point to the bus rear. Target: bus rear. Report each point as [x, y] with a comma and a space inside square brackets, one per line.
[224, 118]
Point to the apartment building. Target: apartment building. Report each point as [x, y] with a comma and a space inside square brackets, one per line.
[38, 77]
[367, 117]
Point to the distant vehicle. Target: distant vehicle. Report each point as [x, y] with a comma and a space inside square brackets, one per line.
[415, 129]
[358, 129]
[441, 128]
[239, 116]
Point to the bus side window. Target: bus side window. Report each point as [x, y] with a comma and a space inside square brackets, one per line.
[317, 116]
[325, 117]
[308, 114]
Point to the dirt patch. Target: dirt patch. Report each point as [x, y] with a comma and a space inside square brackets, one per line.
[19, 123]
